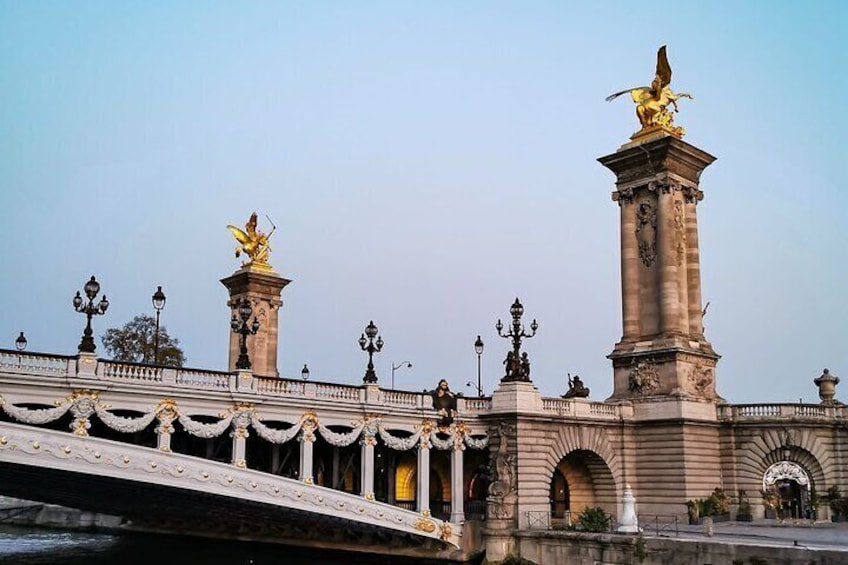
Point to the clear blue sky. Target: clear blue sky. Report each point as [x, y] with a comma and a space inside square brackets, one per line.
[426, 163]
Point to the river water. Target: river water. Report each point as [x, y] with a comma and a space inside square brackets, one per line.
[33, 546]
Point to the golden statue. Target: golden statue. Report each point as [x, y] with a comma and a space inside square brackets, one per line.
[652, 101]
[253, 242]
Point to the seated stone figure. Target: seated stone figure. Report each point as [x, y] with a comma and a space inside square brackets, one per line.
[444, 402]
[576, 389]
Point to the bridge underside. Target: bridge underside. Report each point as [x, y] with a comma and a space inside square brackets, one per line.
[37, 464]
[167, 510]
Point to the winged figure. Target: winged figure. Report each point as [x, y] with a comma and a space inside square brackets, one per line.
[652, 101]
[253, 242]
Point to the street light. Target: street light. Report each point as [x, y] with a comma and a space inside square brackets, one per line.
[478, 348]
[91, 288]
[21, 342]
[371, 347]
[517, 366]
[158, 304]
[406, 364]
[240, 327]
[304, 373]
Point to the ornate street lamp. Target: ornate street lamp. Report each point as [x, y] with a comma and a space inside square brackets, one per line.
[304, 373]
[406, 364]
[517, 365]
[158, 303]
[478, 349]
[21, 342]
[89, 308]
[239, 325]
[371, 347]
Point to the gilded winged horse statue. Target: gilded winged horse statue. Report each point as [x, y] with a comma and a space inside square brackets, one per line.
[652, 101]
[253, 242]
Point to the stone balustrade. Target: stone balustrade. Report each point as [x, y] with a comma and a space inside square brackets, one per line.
[747, 412]
[36, 364]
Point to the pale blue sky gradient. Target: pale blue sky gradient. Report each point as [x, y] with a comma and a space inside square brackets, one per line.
[426, 163]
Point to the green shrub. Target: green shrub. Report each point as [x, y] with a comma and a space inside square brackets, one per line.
[594, 520]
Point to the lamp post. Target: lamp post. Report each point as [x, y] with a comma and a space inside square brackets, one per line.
[89, 308]
[21, 342]
[406, 364]
[517, 367]
[239, 325]
[371, 347]
[478, 349]
[158, 304]
[304, 373]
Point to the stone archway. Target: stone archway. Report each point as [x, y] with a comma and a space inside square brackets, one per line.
[790, 485]
[581, 479]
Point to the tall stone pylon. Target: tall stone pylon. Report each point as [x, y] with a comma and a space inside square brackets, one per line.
[263, 288]
[663, 351]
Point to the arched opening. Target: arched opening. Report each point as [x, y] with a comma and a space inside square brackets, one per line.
[789, 487]
[560, 496]
[581, 480]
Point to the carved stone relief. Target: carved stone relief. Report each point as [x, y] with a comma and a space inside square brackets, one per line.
[644, 378]
[646, 232]
[503, 488]
[679, 231]
[701, 377]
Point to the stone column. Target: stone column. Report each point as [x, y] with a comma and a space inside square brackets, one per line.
[366, 467]
[457, 483]
[239, 436]
[166, 414]
[629, 265]
[663, 351]
[262, 287]
[307, 441]
[423, 474]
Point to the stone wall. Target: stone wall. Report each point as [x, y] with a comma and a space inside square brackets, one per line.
[555, 548]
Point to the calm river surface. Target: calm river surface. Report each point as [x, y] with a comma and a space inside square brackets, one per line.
[33, 546]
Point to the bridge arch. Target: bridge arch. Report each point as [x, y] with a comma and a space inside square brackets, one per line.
[582, 468]
[800, 450]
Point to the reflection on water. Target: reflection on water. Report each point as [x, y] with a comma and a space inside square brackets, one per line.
[31, 546]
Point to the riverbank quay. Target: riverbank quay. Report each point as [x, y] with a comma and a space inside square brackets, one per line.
[732, 543]
[17, 512]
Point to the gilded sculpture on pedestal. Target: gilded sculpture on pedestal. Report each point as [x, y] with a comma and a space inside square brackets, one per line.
[652, 101]
[253, 242]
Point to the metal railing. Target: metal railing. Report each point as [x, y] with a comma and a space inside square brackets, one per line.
[660, 525]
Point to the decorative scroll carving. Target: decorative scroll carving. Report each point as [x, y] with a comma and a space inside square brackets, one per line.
[272, 435]
[399, 444]
[35, 416]
[785, 470]
[370, 429]
[644, 378]
[476, 443]
[666, 186]
[440, 443]
[242, 415]
[623, 196]
[338, 439]
[124, 424]
[166, 413]
[83, 405]
[646, 232]
[691, 194]
[206, 431]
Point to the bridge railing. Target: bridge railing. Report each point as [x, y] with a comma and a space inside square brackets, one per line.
[752, 412]
[581, 408]
[40, 364]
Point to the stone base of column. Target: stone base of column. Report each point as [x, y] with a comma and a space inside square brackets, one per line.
[516, 396]
[262, 287]
[665, 366]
